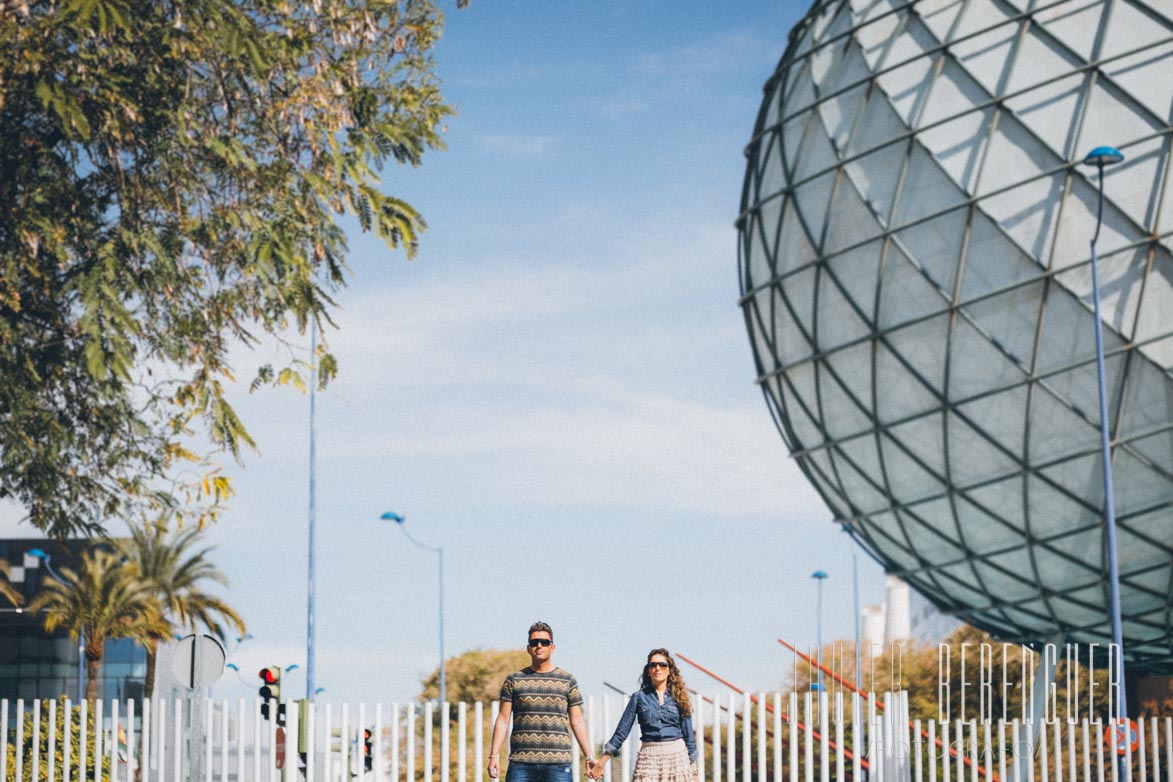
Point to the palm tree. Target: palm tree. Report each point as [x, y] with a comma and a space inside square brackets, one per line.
[101, 601]
[177, 577]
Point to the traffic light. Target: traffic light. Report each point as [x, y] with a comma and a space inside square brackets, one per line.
[270, 690]
[367, 756]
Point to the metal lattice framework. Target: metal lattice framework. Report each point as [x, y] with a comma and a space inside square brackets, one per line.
[915, 271]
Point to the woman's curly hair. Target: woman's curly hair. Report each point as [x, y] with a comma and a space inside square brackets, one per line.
[676, 686]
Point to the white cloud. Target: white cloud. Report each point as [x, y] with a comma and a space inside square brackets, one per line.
[518, 145]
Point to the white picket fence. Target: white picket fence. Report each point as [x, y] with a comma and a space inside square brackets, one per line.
[741, 738]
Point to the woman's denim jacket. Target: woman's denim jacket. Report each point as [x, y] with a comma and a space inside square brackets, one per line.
[656, 722]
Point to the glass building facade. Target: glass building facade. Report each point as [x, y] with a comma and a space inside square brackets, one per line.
[915, 274]
[35, 664]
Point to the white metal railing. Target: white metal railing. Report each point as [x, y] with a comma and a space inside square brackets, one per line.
[741, 738]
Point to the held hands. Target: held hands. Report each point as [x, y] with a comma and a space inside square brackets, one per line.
[596, 766]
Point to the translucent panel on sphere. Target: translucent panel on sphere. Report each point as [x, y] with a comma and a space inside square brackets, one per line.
[992, 261]
[905, 293]
[1153, 320]
[1040, 58]
[1028, 215]
[791, 344]
[1077, 223]
[852, 367]
[838, 115]
[954, 92]
[756, 310]
[1068, 333]
[1056, 513]
[926, 191]
[816, 155]
[772, 178]
[1007, 584]
[1130, 28]
[987, 55]
[939, 15]
[906, 86]
[1009, 320]
[976, 366]
[985, 534]
[838, 321]
[957, 581]
[899, 394]
[759, 259]
[1019, 154]
[795, 248]
[1081, 476]
[1138, 486]
[853, 222]
[856, 272]
[926, 538]
[798, 291]
[959, 144]
[887, 530]
[1000, 416]
[1156, 448]
[908, 480]
[876, 174]
[936, 246]
[973, 459]
[1079, 388]
[1049, 109]
[922, 347]
[801, 420]
[923, 438]
[1062, 572]
[1056, 431]
[820, 469]
[812, 198]
[1073, 25]
[861, 492]
[843, 415]
[1002, 499]
[874, 30]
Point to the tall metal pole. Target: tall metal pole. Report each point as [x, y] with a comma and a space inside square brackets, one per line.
[1100, 157]
[819, 577]
[443, 687]
[309, 623]
[855, 600]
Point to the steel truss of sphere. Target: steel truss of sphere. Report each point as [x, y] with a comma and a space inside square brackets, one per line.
[915, 276]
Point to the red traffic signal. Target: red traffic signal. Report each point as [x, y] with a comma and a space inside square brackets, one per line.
[270, 683]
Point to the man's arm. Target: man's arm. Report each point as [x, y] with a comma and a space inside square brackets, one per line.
[500, 728]
[579, 727]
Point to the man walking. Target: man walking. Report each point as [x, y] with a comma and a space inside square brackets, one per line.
[546, 705]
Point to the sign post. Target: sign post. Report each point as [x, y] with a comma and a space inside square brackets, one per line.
[198, 661]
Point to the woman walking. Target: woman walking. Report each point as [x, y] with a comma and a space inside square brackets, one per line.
[667, 751]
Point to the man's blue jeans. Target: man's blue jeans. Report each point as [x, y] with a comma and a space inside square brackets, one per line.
[538, 772]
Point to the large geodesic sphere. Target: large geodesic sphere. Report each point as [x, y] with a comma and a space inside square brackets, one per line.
[915, 265]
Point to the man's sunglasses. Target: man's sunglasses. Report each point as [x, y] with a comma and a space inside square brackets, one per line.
[540, 642]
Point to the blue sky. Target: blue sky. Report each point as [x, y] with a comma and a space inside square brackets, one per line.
[558, 389]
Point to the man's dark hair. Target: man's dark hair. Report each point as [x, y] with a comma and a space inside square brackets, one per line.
[539, 627]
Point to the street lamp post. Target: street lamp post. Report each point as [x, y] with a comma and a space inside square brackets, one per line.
[439, 551]
[819, 576]
[44, 556]
[309, 613]
[1101, 157]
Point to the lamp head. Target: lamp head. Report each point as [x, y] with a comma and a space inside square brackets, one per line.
[38, 553]
[819, 574]
[392, 516]
[289, 668]
[1103, 156]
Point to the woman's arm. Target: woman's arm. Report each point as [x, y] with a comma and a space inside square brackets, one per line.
[689, 737]
[611, 748]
